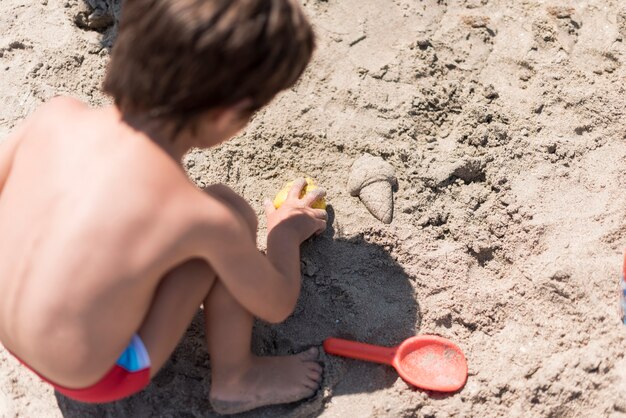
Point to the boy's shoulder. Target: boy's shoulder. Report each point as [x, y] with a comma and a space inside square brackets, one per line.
[64, 102]
[58, 106]
[54, 112]
[219, 218]
[51, 110]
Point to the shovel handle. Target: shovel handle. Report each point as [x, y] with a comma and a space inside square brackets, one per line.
[360, 351]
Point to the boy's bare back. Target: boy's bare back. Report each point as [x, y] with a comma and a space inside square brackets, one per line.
[90, 210]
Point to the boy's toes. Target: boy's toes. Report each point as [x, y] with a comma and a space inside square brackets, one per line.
[315, 366]
[310, 354]
[315, 376]
[312, 385]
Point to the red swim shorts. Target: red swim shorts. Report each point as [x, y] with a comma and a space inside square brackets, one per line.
[129, 375]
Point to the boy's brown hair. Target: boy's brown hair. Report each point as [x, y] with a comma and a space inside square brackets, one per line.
[174, 59]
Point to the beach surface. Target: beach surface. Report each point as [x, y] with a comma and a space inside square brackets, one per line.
[505, 123]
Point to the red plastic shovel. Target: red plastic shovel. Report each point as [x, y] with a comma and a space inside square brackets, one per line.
[427, 361]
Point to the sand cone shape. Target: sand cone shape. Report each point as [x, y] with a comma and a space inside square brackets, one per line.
[378, 199]
[373, 180]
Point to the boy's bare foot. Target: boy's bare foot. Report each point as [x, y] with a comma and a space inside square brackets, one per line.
[267, 381]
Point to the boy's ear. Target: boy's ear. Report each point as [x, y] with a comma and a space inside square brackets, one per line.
[232, 115]
[243, 106]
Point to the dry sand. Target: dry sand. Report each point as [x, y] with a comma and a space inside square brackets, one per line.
[504, 120]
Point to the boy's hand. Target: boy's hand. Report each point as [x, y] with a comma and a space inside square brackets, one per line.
[296, 217]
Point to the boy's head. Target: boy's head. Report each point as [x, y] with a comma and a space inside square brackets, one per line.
[176, 60]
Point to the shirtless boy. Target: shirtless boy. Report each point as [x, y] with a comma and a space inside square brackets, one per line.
[107, 250]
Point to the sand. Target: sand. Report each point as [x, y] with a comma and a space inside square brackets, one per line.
[504, 121]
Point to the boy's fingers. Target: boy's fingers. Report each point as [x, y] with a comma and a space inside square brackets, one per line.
[321, 228]
[269, 207]
[320, 214]
[296, 189]
[313, 196]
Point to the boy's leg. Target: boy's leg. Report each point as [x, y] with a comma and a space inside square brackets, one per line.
[176, 300]
[240, 380]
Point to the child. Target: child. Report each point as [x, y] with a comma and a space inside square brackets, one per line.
[107, 249]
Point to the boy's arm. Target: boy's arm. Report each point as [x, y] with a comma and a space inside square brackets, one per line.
[267, 286]
[226, 242]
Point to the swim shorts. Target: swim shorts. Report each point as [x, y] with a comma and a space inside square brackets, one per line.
[129, 375]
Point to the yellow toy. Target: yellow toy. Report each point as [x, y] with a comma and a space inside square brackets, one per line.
[310, 186]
